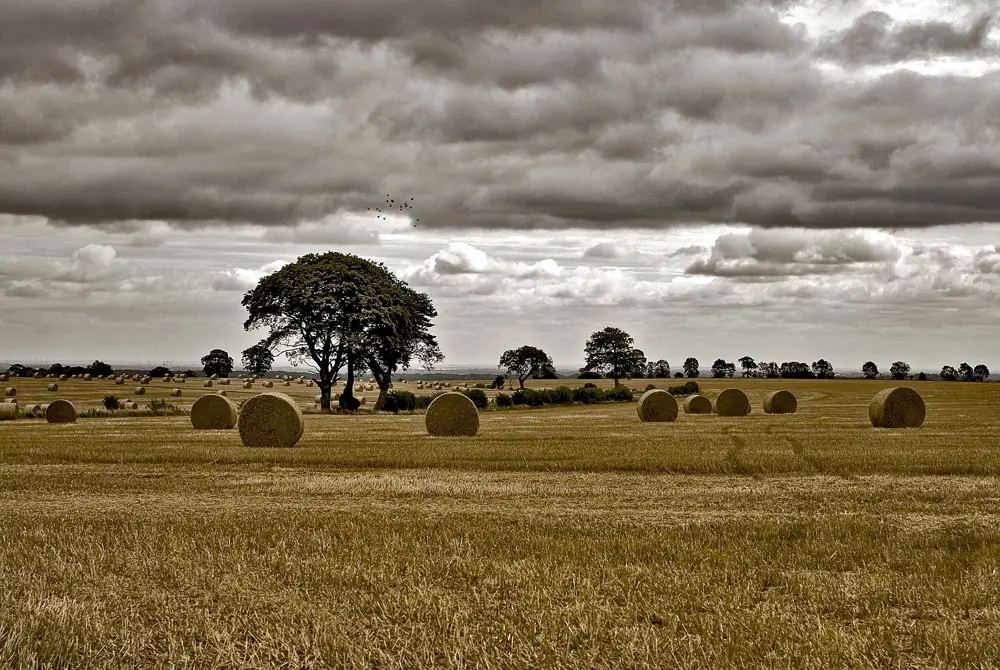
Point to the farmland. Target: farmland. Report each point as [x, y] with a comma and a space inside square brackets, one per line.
[574, 536]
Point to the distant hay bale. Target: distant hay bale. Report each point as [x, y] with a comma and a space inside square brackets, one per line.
[309, 384]
[247, 385]
[287, 383]
[213, 412]
[140, 390]
[251, 379]
[319, 399]
[120, 381]
[34, 411]
[214, 377]
[359, 388]
[87, 378]
[364, 401]
[732, 402]
[224, 382]
[208, 383]
[657, 405]
[38, 375]
[64, 378]
[128, 404]
[270, 420]
[224, 393]
[5, 377]
[146, 380]
[176, 393]
[300, 381]
[899, 407]
[8, 411]
[180, 380]
[52, 387]
[697, 404]
[268, 384]
[10, 392]
[60, 411]
[451, 414]
[780, 402]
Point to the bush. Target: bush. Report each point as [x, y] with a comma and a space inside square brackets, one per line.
[678, 375]
[110, 402]
[504, 400]
[477, 396]
[589, 375]
[424, 401]
[621, 394]
[687, 388]
[922, 377]
[588, 385]
[588, 396]
[405, 401]
[562, 395]
[650, 387]
[390, 404]
[479, 385]
[350, 403]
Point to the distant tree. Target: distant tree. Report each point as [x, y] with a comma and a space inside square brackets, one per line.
[678, 375]
[658, 370]
[981, 372]
[949, 374]
[498, 382]
[899, 370]
[822, 369]
[730, 370]
[870, 370]
[548, 372]
[769, 370]
[55, 369]
[190, 373]
[796, 370]
[691, 367]
[967, 372]
[160, 371]
[21, 370]
[217, 362]
[922, 376]
[719, 368]
[525, 362]
[611, 351]
[257, 359]
[100, 369]
[589, 374]
[749, 366]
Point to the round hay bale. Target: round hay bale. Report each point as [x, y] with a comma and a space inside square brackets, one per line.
[213, 412]
[657, 405]
[309, 384]
[224, 382]
[60, 411]
[899, 407]
[64, 378]
[176, 393]
[214, 377]
[732, 402]
[180, 380]
[208, 383]
[780, 402]
[120, 381]
[268, 384]
[8, 411]
[247, 385]
[10, 392]
[364, 400]
[318, 399]
[34, 411]
[87, 378]
[140, 390]
[5, 377]
[697, 404]
[451, 414]
[287, 383]
[252, 379]
[39, 375]
[52, 387]
[128, 405]
[270, 420]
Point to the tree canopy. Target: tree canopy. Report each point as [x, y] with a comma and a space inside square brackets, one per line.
[870, 370]
[526, 362]
[217, 362]
[258, 359]
[899, 370]
[691, 367]
[611, 352]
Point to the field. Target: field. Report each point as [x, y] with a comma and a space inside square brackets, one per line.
[558, 537]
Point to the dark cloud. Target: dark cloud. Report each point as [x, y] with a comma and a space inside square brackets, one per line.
[875, 38]
[519, 114]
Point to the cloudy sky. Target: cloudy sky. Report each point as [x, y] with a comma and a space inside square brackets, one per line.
[786, 180]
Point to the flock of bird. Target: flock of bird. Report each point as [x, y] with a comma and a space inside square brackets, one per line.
[391, 202]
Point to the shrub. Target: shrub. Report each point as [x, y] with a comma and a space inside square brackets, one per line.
[158, 405]
[687, 388]
[477, 396]
[588, 396]
[650, 387]
[588, 385]
[621, 394]
[110, 402]
[678, 375]
[498, 382]
[405, 401]
[518, 397]
[480, 385]
[350, 404]
[504, 400]
[562, 395]
[424, 401]
[589, 375]
[390, 404]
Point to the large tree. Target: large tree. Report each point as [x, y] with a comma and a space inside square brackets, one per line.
[981, 372]
[948, 373]
[967, 371]
[99, 369]
[217, 362]
[691, 367]
[822, 369]
[611, 352]
[258, 359]
[870, 370]
[525, 362]
[334, 310]
[720, 367]
[899, 370]
[749, 366]
[658, 370]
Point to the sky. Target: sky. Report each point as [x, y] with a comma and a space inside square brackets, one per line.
[785, 180]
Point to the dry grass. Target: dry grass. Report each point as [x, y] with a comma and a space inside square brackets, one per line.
[573, 537]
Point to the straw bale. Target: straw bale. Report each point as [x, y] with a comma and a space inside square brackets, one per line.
[207, 383]
[780, 402]
[52, 387]
[657, 405]
[899, 407]
[10, 392]
[268, 384]
[309, 384]
[697, 404]
[214, 377]
[176, 393]
[213, 412]
[270, 420]
[60, 411]
[319, 399]
[224, 381]
[8, 411]
[140, 390]
[120, 381]
[452, 414]
[5, 377]
[287, 383]
[732, 402]
[34, 411]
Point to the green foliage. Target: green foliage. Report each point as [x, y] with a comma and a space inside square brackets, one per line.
[749, 366]
[650, 387]
[405, 401]
[504, 400]
[588, 385]
[588, 396]
[587, 374]
[658, 370]
[691, 367]
[100, 369]
[823, 370]
[160, 371]
[687, 388]
[899, 370]
[922, 376]
[721, 368]
[390, 405]
[527, 361]
[110, 402]
[949, 374]
[870, 370]
[611, 351]
[478, 397]
[258, 359]
[217, 362]
[498, 382]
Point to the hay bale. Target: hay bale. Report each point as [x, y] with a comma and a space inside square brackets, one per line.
[899, 407]
[213, 412]
[120, 381]
[268, 384]
[780, 402]
[140, 390]
[5, 377]
[732, 402]
[64, 378]
[287, 383]
[52, 387]
[214, 377]
[247, 385]
[451, 414]
[657, 405]
[10, 392]
[224, 382]
[364, 401]
[176, 393]
[208, 383]
[34, 411]
[60, 411]
[270, 420]
[319, 399]
[87, 378]
[309, 384]
[8, 411]
[180, 380]
[128, 405]
[38, 375]
[697, 404]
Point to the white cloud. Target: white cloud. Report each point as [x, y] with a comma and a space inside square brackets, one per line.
[244, 279]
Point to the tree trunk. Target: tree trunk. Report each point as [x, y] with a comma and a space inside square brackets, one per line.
[348, 383]
[520, 381]
[616, 382]
[383, 390]
[324, 389]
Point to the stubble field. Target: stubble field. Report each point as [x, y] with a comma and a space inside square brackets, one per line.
[562, 537]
